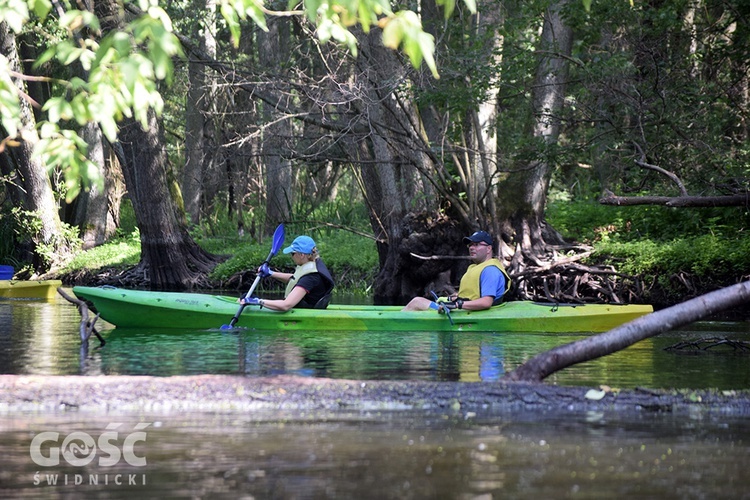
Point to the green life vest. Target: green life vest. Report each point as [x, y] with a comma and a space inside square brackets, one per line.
[470, 282]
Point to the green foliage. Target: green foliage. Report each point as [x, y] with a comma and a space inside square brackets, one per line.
[708, 256]
[7, 238]
[640, 91]
[590, 222]
[404, 30]
[27, 226]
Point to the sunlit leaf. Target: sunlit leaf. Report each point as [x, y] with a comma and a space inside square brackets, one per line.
[230, 16]
[255, 11]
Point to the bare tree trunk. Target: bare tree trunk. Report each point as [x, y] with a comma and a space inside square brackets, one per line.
[198, 132]
[273, 51]
[483, 120]
[393, 183]
[545, 364]
[170, 259]
[93, 214]
[39, 197]
[241, 160]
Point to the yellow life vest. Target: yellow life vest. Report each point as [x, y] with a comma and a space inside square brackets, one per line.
[470, 282]
[306, 268]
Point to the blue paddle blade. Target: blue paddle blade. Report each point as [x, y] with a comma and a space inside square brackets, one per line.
[278, 240]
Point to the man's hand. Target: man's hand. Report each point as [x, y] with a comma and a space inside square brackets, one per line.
[451, 304]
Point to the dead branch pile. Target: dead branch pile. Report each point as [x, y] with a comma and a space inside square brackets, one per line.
[571, 282]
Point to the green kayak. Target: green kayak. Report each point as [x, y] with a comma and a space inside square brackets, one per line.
[139, 309]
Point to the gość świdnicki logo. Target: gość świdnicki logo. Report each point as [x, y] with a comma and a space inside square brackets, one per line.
[80, 449]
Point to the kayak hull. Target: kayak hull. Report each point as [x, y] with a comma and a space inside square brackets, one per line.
[144, 309]
[21, 289]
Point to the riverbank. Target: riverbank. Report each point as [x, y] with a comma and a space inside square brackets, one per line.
[227, 394]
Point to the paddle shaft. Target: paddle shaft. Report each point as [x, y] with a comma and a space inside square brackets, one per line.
[278, 241]
[247, 296]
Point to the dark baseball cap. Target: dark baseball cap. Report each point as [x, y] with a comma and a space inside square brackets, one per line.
[479, 236]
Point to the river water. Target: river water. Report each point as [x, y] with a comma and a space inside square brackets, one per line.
[385, 454]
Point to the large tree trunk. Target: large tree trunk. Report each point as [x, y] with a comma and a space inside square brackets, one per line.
[539, 367]
[524, 193]
[482, 122]
[39, 196]
[170, 259]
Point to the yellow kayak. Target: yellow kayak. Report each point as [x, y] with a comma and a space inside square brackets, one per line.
[21, 289]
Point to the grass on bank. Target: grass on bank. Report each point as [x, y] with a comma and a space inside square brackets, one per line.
[351, 258]
[711, 246]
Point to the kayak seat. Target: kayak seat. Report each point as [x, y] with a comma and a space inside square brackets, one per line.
[323, 302]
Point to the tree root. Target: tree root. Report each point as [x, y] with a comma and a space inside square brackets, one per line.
[569, 281]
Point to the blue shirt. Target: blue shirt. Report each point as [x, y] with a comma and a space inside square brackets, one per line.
[492, 282]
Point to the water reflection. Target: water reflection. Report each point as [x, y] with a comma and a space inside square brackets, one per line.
[42, 338]
[390, 455]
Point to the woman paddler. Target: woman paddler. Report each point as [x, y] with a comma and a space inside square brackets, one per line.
[309, 287]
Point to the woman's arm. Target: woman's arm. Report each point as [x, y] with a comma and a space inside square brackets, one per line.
[283, 277]
[291, 300]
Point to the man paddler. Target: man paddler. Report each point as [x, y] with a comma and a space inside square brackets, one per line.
[482, 286]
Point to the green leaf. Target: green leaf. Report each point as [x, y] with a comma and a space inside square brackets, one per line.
[405, 30]
[255, 11]
[233, 22]
[40, 8]
[448, 7]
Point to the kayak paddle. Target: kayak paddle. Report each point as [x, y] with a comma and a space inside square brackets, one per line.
[445, 309]
[278, 241]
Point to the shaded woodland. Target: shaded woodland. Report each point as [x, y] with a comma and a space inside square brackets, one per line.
[634, 104]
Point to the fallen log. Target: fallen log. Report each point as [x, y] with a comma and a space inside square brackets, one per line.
[543, 365]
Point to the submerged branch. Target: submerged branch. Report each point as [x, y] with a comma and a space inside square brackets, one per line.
[86, 327]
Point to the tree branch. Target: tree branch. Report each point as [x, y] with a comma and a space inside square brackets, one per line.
[541, 366]
[737, 200]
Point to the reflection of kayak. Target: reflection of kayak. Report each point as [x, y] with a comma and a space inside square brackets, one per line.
[19, 289]
[137, 308]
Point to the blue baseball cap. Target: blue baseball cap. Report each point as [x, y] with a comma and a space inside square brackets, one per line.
[479, 236]
[301, 244]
